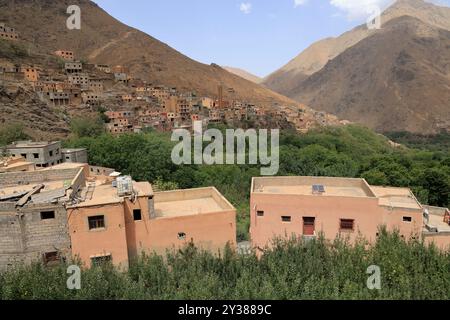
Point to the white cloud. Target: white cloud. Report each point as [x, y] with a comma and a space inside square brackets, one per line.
[298, 3]
[356, 9]
[246, 7]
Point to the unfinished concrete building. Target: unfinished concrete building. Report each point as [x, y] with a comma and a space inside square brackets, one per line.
[73, 67]
[59, 98]
[74, 155]
[66, 55]
[8, 33]
[44, 154]
[33, 218]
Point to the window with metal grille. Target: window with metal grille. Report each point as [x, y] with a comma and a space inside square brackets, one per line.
[347, 224]
[97, 222]
[260, 213]
[286, 218]
[181, 236]
[98, 261]
[407, 219]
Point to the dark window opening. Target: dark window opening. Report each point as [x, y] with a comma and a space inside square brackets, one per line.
[47, 215]
[260, 213]
[50, 257]
[97, 222]
[347, 224]
[36, 155]
[407, 219]
[286, 218]
[181, 236]
[137, 214]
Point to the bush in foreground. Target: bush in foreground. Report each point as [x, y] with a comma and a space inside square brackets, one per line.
[290, 270]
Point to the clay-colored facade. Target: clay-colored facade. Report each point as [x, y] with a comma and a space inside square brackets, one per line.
[147, 222]
[307, 206]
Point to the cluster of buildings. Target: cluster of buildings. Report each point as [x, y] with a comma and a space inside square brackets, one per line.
[133, 104]
[53, 213]
[8, 33]
[66, 208]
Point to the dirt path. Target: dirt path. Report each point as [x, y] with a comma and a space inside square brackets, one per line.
[98, 51]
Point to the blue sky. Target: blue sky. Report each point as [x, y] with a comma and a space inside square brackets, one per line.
[256, 35]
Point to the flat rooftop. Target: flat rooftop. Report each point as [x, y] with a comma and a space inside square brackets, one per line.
[190, 202]
[343, 187]
[104, 193]
[31, 144]
[70, 150]
[396, 197]
[65, 165]
[437, 221]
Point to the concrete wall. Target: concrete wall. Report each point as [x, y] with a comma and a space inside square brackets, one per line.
[78, 156]
[17, 178]
[25, 237]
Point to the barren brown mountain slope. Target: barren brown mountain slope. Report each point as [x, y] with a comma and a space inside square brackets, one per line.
[397, 79]
[243, 74]
[314, 58]
[103, 39]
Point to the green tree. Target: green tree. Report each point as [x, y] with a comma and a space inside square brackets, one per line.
[12, 132]
[87, 126]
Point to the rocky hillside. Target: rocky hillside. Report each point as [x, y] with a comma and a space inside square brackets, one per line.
[103, 39]
[19, 102]
[325, 77]
[244, 74]
[397, 79]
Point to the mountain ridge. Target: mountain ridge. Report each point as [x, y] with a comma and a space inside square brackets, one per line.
[104, 39]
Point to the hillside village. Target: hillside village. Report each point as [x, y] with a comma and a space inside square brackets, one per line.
[131, 104]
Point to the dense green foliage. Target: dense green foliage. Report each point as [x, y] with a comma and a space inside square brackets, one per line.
[437, 142]
[291, 270]
[350, 151]
[12, 132]
[87, 126]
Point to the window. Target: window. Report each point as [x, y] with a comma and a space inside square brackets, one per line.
[97, 222]
[137, 214]
[50, 153]
[407, 219]
[286, 218]
[36, 155]
[98, 261]
[47, 215]
[347, 224]
[24, 155]
[181, 236]
[260, 213]
[50, 257]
